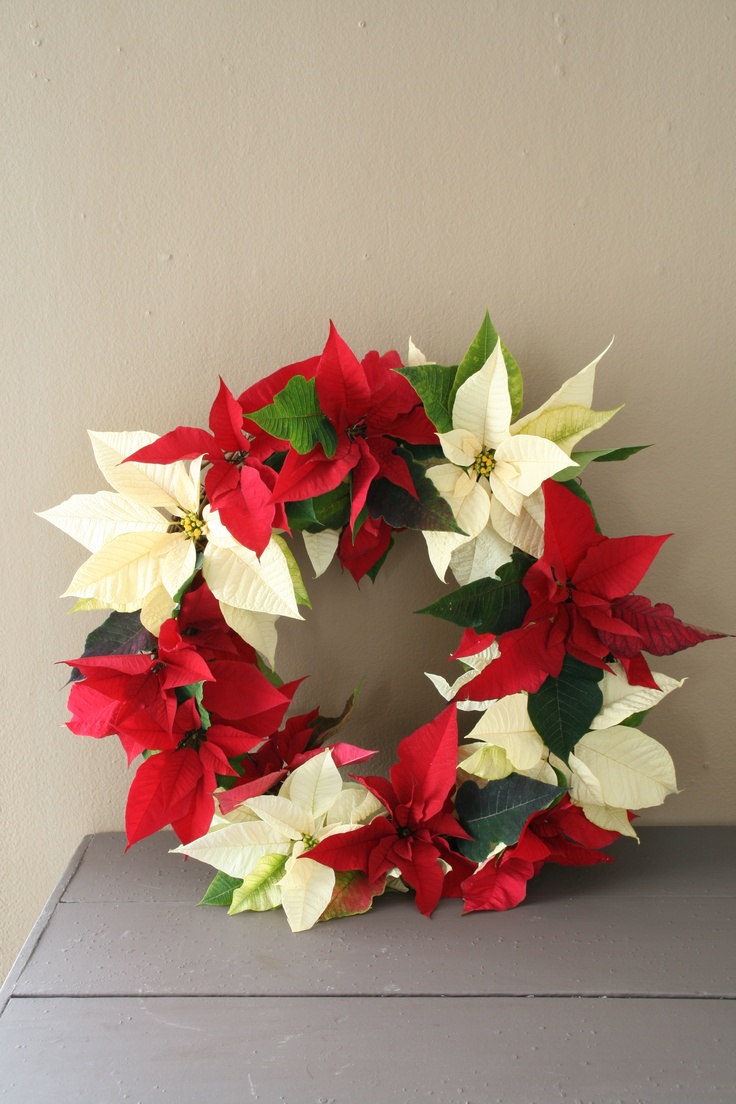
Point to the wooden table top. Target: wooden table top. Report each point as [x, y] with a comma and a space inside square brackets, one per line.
[126, 991]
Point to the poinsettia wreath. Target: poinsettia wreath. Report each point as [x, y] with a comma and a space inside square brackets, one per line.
[189, 552]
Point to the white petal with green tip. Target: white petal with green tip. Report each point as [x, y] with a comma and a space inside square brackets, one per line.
[236, 849]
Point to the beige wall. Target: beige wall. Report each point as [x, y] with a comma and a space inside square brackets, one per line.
[195, 188]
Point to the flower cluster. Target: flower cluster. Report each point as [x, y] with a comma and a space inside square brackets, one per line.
[189, 553]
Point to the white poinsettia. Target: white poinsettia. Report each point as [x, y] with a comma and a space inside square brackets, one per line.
[614, 767]
[144, 537]
[495, 471]
[269, 849]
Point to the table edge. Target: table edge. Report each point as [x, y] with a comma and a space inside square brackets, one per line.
[24, 955]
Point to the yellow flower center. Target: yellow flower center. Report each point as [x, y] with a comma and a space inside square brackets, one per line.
[484, 462]
[193, 526]
[309, 842]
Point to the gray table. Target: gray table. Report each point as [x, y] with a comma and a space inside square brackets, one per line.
[610, 984]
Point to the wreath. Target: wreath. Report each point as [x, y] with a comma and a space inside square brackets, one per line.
[189, 552]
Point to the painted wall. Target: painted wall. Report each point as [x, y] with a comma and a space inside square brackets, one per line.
[194, 189]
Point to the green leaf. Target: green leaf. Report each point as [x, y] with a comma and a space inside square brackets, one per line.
[497, 812]
[300, 591]
[636, 719]
[481, 348]
[273, 678]
[583, 458]
[402, 511]
[433, 384]
[326, 511]
[295, 416]
[119, 634]
[260, 891]
[488, 605]
[302, 517]
[373, 571]
[220, 889]
[332, 510]
[563, 708]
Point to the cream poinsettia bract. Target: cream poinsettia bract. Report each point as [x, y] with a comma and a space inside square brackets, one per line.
[495, 469]
[614, 767]
[143, 537]
[266, 840]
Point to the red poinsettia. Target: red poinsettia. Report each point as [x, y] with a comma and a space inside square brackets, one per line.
[414, 835]
[133, 696]
[561, 835]
[368, 405]
[238, 485]
[176, 785]
[582, 605]
[283, 752]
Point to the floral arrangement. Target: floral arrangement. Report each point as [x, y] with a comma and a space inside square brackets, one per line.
[189, 553]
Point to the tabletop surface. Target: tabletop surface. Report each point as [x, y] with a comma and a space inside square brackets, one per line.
[612, 984]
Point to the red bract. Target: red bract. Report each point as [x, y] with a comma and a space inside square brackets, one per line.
[238, 486]
[368, 405]
[175, 786]
[132, 696]
[362, 551]
[282, 752]
[561, 835]
[578, 590]
[203, 627]
[414, 835]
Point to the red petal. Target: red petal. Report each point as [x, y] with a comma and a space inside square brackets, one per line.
[241, 692]
[307, 476]
[392, 466]
[498, 887]
[160, 792]
[364, 473]
[360, 552]
[230, 799]
[226, 421]
[638, 672]
[183, 443]
[424, 873]
[352, 850]
[380, 787]
[342, 388]
[214, 759]
[615, 566]
[527, 656]
[569, 529]
[427, 769]
[661, 632]
[198, 816]
[233, 741]
[472, 643]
